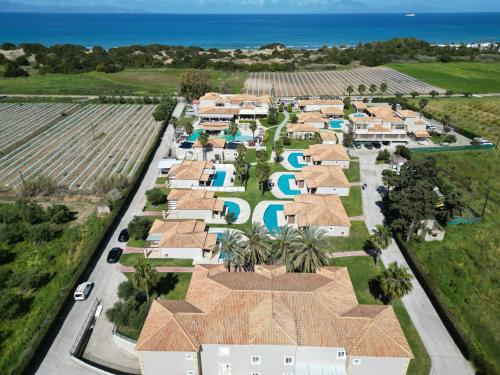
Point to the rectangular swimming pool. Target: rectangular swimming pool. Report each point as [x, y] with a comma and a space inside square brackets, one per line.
[219, 178]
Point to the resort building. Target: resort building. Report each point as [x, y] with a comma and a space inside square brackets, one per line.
[190, 173]
[333, 112]
[271, 322]
[381, 125]
[193, 204]
[214, 128]
[311, 105]
[181, 239]
[323, 179]
[225, 107]
[328, 137]
[323, 211]
[415, 123]
[327, 154]
[301, 131]
[315, 119]
[359, 106]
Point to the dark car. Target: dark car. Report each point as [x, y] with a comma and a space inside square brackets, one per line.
[114, 254]
[123, 236]
[357, 145]
[369, 146]
[386, 143]
[377, 145]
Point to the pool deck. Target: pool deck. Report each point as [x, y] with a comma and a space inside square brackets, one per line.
[286, 164]
[275, 190]
[245, 209]
[258, 212]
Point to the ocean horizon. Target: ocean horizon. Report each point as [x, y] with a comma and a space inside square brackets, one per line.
[244, 31]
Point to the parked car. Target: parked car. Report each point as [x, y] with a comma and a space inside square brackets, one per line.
[123, 236]
[369, 146]
[82, 291]
[114, 255]
[377, 145]
[357, 145]
[431, 127]
[386, 143]
[445, 144]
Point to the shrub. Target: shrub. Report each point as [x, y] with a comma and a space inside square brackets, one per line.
[44, 232]
[293, 118]
[39, 186]
[383, 155]
[230, 218]
[348, 140]
[13, 70]
[450, 138]
[12, 233]
[287, 141]
[139, 228]
[60, 214]
[403, 151]
[12, 305]
[156, 196]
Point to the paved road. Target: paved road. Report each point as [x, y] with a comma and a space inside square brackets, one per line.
[106, 278]
[281, 125]
[445, 355]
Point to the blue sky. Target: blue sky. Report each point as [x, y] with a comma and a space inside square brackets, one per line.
[268, 6]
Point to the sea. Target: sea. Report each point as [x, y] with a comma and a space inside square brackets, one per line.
[245, 31]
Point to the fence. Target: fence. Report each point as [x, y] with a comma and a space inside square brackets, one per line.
[472, 218]
[77, 347]
[452, 148]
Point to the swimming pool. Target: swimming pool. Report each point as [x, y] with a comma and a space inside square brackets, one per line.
[232, 207]
[293, 159]
[238, 137]
[271, 217]
[193, 137]
[336, 124]
[219, 178]
[284, 184]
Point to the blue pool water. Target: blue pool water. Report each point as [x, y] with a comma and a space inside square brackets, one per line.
[233, 207]
[284, 184]
[336, 124]
[359, 115]
[238, 137]
[293, 159]
[219, 178]
[193, 137]
[271, 217]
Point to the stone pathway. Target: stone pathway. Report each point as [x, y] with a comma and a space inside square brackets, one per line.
[281, 125]
[357, 218]
[133, 250]
[344, 254]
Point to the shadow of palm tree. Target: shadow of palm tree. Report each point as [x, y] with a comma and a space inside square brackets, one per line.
[166, 283]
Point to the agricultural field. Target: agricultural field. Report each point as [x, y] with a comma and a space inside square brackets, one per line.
[76, 150]
[478, 115]
[473, 77]
[464, 266]
[333, 82]
[161, 81]
[21, 121]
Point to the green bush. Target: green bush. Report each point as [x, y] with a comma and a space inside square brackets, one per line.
[139, 228]
[384, 155]
[156, 196]
[287, 141]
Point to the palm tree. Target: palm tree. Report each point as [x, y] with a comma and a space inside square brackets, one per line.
[233, 129]
[188, 128]
[373, 89]
[145, 278]
[230, 244]
[422, 103]
[383, 88]
[175, 122]
[253, 128]
[310, 253]
[262, 172]
[285, 244]
[361, 89]
[395, 281]
[203, 139]
[349, 90]
[257, 247]
[380, 240]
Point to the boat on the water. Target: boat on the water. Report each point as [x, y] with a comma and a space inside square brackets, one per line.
[410, 15]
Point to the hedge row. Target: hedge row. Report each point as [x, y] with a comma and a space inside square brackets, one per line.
[35, 352]
[483, 366]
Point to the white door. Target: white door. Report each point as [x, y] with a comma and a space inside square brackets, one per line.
[224, 369]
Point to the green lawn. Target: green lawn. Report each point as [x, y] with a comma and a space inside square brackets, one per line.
[464, 266]
[300, 143]
[161, 180]
[132, 242]
[358, 235]
[353, 203]
[352, 173]
[362, 270]
[281, 117]
[250, 156]
[479, 115]
[128, 82]
[460, 77]
[131, 260]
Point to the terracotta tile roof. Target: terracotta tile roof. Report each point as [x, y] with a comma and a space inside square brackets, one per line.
[190, 170]
[332, 111]
[218, 111]
[196, 200]
[406, 113]
[326, 152]
[317, 210]
[183, 234]
[318, 310]
[381, 111]
[329, 102]
[210, 96]
[359, 105]
[422, 134]
[322, 176]
[328, 136]
[215, 126]
[377, 128]
[392, 119]
[212, 142]
[305, 117]
[301, 128]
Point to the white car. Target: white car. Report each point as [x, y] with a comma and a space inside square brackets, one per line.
[82, 291]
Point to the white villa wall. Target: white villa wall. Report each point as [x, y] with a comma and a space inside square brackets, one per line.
[162, 363]
[344, 164]
[343, 192]
[335, 231]
[318, 125]
[378, 366]
[184, 184]
[181, 253]
[191, 214]
[300, 135]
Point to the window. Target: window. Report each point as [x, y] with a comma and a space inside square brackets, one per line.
[189, 372]
[356, 362]
[287, 373]
[288, 360]
[255, 360]
[188, 357]
[223, 352]
[255, 373]
[340, 354]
